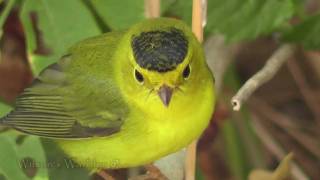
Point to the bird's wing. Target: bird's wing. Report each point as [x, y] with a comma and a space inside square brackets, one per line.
[71, 101]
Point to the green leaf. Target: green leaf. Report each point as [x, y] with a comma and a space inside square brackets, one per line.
[119, 14]
[306, 33]
[238, 20]
[12, 155]
[61, 170]
[166, 5]
[61, 24]
[9, 166]
[247, 19]
[178, 8]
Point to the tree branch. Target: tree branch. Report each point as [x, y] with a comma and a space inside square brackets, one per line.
[271, 67]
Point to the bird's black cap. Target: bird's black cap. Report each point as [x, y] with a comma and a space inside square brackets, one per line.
[159, 50]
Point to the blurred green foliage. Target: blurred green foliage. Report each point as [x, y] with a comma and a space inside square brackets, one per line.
[14, 156]
[59, 25]
[243, 149]
[4, 109]
[306, 33]
[238, 20]
[115, 16]
[51, 26]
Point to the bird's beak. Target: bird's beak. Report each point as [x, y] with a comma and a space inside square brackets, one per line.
[165, 94]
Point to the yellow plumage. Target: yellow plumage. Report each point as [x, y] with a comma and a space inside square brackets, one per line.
[122, 99]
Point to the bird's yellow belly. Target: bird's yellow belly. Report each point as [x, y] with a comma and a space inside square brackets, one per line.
[143, 141]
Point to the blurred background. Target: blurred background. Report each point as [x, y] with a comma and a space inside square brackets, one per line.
[240, 36]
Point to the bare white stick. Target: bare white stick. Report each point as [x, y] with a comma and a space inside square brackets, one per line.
[271, 67]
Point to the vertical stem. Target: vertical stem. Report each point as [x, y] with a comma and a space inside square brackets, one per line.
[191, 161]
[152, 8]
[197, 28]
[197, 19]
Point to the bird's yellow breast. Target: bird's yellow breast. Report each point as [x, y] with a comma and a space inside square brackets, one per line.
[149, 133]
[186, 115]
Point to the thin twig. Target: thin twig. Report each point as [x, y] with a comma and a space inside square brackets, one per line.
[306, 91]
[198, 7]
[197, 28]
[197, 18]
[152, 8]
[105, 175]
[191, 161]
[273, 146]
[271, 67]
[307, 141]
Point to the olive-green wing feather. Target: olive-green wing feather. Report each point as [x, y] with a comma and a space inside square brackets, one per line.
[74, 98]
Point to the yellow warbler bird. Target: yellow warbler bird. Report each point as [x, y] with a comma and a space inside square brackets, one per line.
[122, 99]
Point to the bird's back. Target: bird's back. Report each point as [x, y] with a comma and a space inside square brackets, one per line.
[77, 97]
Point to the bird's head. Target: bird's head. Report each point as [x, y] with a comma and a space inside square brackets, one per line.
[164, 59]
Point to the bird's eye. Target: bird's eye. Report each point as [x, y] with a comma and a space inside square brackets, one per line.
[186, 72]
[138, 76]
